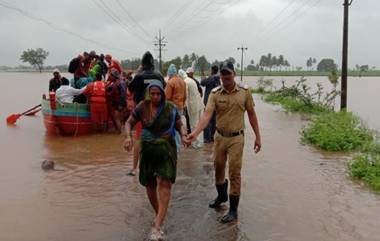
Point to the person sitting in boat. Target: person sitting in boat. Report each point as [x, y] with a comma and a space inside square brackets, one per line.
[96, 93]
[56, 81]
[65, 93]
[116, 99]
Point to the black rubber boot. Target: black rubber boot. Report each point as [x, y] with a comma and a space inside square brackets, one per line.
[222, 195]
[232, 213]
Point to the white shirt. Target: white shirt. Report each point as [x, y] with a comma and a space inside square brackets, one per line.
[66, 93]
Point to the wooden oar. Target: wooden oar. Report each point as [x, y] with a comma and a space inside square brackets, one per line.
[33, 112]
[13, 118]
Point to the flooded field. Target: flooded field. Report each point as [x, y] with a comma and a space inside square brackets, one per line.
[290, 192]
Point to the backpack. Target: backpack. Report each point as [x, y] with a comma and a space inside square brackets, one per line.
[73, 65]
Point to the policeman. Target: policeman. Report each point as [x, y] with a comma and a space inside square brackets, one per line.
[230, 102]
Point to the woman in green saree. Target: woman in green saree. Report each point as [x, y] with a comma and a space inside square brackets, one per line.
[158, 154]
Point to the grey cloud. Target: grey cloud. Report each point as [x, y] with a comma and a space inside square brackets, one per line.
[317, 33]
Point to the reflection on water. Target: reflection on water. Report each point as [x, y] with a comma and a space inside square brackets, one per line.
[289, 191]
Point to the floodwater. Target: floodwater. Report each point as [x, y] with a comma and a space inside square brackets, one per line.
[362, 94]
[290, 192]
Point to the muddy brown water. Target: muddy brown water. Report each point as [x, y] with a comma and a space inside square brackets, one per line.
[290, 192]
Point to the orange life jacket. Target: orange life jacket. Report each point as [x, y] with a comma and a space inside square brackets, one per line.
[99, 92]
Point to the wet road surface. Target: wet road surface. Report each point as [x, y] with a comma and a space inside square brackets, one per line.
[290, 192]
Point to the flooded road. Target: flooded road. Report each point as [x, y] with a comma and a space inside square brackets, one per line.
[290, 192]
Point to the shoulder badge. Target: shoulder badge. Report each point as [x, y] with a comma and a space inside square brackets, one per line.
[216, 89]
[245, 86]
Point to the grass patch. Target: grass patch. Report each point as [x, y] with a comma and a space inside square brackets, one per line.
[337, 131]
[366, 167]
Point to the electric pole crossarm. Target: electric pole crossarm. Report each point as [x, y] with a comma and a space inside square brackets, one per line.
[160, 42]
[242, 48]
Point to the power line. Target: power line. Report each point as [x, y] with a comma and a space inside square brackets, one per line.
[206, 19]
[280, 13]
[203, 6]
[178, 13]
[288, 20]
[133, 19]
[59, 28]
[281, 21]
[117, 20]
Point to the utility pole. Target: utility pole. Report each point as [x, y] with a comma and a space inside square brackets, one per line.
[242, 48]
[160, 42]
[343, 97]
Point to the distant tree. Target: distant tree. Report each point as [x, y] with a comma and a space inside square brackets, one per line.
[131, 64]
[309, 63]
[364, 68]
[269, 61]
[281, 61]
[252, 67]
[186, 61]
[216, 63]
[326, 65]
[193, 57]
[263, 63]
[287, 64]
[274, 62]
[202, 65]
[231, 59]
[35, 57]
[177, 61]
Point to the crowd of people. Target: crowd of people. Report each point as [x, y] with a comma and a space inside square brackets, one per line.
[165, 114]
[100, 81]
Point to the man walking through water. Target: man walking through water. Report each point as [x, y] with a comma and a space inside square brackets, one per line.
[230, 102]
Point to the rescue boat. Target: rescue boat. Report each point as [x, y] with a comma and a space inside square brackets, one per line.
[67, 119]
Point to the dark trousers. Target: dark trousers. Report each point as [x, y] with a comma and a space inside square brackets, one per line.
[209, 131]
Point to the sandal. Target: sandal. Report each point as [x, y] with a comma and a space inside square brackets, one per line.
[156, 235]
[131, 173]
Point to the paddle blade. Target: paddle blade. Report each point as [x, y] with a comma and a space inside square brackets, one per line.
[12, 118]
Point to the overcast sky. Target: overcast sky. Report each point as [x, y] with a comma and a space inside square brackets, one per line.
[298, 29]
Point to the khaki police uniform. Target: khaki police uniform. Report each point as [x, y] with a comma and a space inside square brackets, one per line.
[229, 138]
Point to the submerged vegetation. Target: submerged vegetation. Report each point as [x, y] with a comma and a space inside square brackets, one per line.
[366, 167]
[329, 130]
[298, 97]
[337, 131]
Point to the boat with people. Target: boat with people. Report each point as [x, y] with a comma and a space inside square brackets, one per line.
[67, 119]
